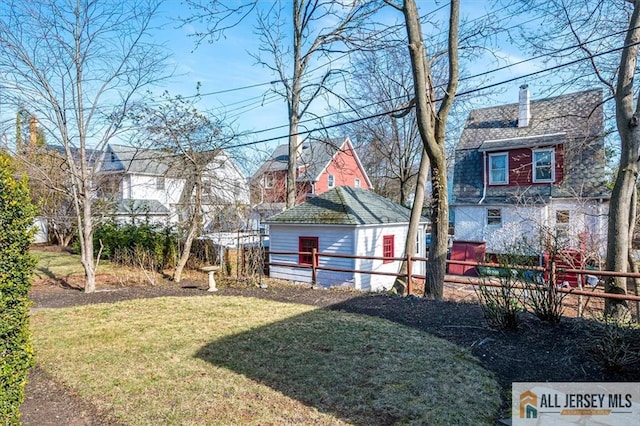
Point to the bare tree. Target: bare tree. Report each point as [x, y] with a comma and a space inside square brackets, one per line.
[193, 143]
[588, 35]
[48, 175]
[622, 207]
[293, 41]
[390, 146]
[431, 115]
[77, 65]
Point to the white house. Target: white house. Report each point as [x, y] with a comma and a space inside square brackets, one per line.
[343, 221]
[148, 184]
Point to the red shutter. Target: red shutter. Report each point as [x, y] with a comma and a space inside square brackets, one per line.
[387, 248]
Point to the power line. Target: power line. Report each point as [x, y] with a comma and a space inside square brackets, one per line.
[461, 79]
[384, 113]
[467, 92]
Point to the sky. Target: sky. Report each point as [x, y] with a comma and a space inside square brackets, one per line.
[226, 64]
[234, 87]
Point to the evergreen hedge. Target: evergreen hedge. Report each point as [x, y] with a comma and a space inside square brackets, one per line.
[16, 268]
[128, 243]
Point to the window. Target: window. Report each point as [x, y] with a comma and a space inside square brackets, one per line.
[498, 169]
[562, 224]
[306, 244]
[331, 181]
[494, 216]
[387, 248]
[160, 183]
[543, 165]
[356, 183]
[268, 181]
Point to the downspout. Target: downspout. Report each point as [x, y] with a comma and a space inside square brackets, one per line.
[484, 177]
[484, 191]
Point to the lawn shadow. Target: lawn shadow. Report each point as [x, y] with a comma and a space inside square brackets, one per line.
[361, 370]
[62, 282]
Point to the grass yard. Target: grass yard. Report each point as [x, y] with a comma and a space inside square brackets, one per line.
[238, 360]
[55, 264]
[64, 267]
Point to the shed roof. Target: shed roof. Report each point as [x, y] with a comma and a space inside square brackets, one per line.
[345, 206]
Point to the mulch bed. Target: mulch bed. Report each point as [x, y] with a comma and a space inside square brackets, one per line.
[536, 352]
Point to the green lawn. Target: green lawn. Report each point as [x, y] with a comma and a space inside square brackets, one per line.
[63, 264]
[233, 360]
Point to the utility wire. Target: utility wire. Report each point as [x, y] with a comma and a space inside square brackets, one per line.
[467, 92]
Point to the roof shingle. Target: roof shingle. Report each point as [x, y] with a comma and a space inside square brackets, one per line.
[345, 206]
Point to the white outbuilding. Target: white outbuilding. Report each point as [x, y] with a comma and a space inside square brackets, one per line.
[343, 221]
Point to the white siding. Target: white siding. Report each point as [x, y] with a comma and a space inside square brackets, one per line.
[227, 182]
[528, 223]
[144, 187]
[369, 243]
[331, 239]
[41, 235]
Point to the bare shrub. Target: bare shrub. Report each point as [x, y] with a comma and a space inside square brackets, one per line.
[543, 297]
[616, 344]
[500, 304]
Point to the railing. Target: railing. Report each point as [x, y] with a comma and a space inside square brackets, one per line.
[552, 269]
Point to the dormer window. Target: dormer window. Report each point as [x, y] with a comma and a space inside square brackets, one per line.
[498, 169]
[543, 165]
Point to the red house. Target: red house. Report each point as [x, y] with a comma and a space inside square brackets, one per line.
[532, 173]
[321, 165]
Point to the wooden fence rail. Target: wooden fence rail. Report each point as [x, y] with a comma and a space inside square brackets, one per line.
[552, 269]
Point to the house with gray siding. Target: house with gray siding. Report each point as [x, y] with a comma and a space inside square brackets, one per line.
[343, 221]
[533, 172]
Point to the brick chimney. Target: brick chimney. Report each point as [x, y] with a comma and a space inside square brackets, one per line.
[524, 109]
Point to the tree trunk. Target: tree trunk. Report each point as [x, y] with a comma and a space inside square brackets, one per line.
[437, 263]
[620, 207]
[195, 220]
[400, 285]
[432, 127]
[618, 241]
[87, 253]
[633, 267]
[293, 99]
[186, 251]
[292, 165]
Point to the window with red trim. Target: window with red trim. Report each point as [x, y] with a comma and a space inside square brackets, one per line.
[387, 248]
[306, 244]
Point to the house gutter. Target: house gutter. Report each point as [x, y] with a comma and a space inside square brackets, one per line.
[484, 177]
